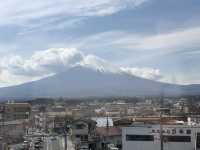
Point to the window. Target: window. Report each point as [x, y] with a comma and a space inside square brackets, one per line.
[80, 126]
[188, 131]
[168, 131]
[177, 138]
[139, 137]
[173, 131]
[78, 136]
[84, 138]
[198, 140]
[181, 131]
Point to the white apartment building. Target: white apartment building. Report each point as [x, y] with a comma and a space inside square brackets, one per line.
[147, 137]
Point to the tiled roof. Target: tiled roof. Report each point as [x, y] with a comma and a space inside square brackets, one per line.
[111, 131]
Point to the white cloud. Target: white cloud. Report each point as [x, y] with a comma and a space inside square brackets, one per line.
[182, 45]
[148, 73]
[105, 66]
[180, 40]
[186, 39]
[17, 69]
[181, 79]
[51, 61]
[97, 63]
[9, 79]
[42, 62]
[21, 11]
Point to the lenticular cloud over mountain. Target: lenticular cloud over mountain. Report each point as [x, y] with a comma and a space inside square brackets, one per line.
[56, 60]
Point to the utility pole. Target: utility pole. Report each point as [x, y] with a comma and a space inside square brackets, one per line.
[65, 136]
[161, 125]
[161, 133]
[107, 128]
[66, 130]
[2, 126]
[107, 124]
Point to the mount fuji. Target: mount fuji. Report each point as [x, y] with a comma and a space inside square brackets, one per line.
[81, 81]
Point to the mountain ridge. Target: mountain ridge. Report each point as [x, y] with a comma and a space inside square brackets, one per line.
[86, 82]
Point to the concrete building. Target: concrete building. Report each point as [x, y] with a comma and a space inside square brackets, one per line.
[13, 131]
[148, 137]
[15, 111]
[107, 136]
[82, 132]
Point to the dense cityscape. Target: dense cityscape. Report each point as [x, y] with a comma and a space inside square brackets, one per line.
[99, 124]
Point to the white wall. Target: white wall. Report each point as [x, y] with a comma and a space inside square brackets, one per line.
[155, 145]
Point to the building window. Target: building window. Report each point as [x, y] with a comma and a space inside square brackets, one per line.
[173, 131]
[84, 138]
[181, 131]
[80, 126]
[198, 140]
[139, 138]
[188, 131]
[168, 131]
[177, 138]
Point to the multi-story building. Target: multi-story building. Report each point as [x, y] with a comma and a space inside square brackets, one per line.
[15, 111]
[14, 121]
[156, 137]
[82, 132]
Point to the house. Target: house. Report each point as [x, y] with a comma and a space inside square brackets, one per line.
[82, 132]
[107, 136]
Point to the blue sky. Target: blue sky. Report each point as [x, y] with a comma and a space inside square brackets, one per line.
[157, 39]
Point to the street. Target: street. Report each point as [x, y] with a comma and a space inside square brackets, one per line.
[57, 143]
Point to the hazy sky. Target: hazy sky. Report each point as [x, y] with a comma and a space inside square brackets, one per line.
[156, 39]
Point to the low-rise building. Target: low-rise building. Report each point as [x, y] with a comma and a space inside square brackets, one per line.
[156, 137]
[15, 111]
[82, 132]
[107, 136]
[13, 131]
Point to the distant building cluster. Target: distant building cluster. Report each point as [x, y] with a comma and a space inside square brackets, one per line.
[103, 125]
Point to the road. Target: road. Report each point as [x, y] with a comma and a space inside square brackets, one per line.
[16, 147]
[49, 143]
[57, 143]
[70, 145]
